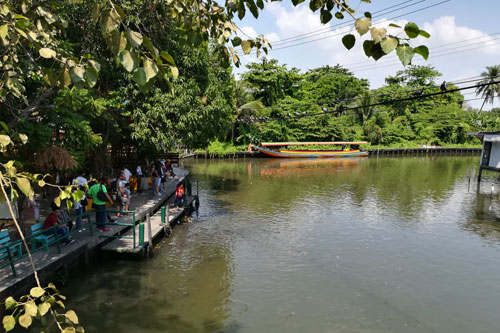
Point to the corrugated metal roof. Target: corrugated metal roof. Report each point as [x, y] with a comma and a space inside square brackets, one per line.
[480, 135]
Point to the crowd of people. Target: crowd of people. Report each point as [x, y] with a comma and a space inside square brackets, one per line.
[104, 191]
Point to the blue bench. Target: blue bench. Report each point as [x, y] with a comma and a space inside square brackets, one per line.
[37, 236]
[15, 248]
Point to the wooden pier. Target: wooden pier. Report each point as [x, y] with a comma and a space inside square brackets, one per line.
[87, 244]
[154, 226]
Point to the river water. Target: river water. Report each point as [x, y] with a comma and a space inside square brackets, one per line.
[356, 245]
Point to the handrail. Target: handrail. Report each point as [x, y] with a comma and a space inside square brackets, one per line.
[11, 260]
[133, 224]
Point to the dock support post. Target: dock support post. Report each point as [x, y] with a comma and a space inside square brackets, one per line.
[150, 238]
[163, 209]
[479, 176]
[168, 215]
[141, 234]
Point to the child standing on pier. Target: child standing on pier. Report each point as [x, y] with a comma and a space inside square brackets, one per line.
[179, 196]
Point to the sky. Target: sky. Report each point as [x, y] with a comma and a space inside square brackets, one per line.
[464, 38]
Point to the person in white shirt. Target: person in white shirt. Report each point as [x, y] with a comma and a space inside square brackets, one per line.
[80, 181]
[138, 171]
[127, 174]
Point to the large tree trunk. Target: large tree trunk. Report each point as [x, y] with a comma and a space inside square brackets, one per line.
[100, 161]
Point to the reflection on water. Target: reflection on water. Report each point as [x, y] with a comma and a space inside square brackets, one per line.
[301, 167]
[370, 245]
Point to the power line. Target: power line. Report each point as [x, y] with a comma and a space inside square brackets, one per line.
[433, 48]
[343, 109]
[338, 34]
[341, 25]
[432, 54]
[417, 90]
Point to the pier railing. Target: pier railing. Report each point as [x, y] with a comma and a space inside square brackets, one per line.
[10, 260]
[134, 237]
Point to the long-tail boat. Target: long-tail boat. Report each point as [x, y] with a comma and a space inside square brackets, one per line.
[345, 151]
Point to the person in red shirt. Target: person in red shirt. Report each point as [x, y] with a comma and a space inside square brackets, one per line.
[179, 196]
[53, 220]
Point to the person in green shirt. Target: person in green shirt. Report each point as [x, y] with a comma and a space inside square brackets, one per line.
[99, 204]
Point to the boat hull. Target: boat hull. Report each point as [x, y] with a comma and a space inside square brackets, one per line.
[311, 154]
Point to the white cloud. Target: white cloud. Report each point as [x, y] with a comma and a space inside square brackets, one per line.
[457, 51]
[247, 31]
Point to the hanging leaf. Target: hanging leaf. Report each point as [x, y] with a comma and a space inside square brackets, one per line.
[30, 308]
[129, 60]
[76, 73]
[10, 303]
[65, 78]
[95, 65]
[175, 71]
[236, 41]
[140, 76]
[424, 34]
[412, 30]
[134, 38]
[376, 51]
[3, 31]
[25, 320]
[91, 77]
[378, 34]
[43, 308]
[367, 47]
[362, 25]
[36, 291]
[246, 45]
[4, 140]
[405, 54]
[9, 322]
[109, 20]
[71, 315]
[47, 53]
[150, 69]
[349, 41]
[24, 185]
[423, 51]
[325, 16]
[165, 55]
[389, 44]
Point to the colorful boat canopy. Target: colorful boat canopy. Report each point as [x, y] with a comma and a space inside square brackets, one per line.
[269, 144]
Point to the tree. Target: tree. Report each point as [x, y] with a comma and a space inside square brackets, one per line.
[415, 76]
[327, 84]
[271, 81]
[491, 86]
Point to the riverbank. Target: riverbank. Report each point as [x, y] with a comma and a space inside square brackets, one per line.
[87, 246]
[371, 152]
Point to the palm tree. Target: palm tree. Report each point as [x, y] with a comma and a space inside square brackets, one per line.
[491, 85]
[244, 105]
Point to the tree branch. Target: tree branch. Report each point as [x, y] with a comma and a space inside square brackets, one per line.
[32, 106]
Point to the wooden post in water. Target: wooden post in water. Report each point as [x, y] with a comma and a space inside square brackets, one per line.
[150, 237]
[164, 219]
[167, 218]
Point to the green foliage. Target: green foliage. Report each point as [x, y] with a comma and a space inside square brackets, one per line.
[221, 149]
[437, 120]
[271, 81]
[44, 304]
